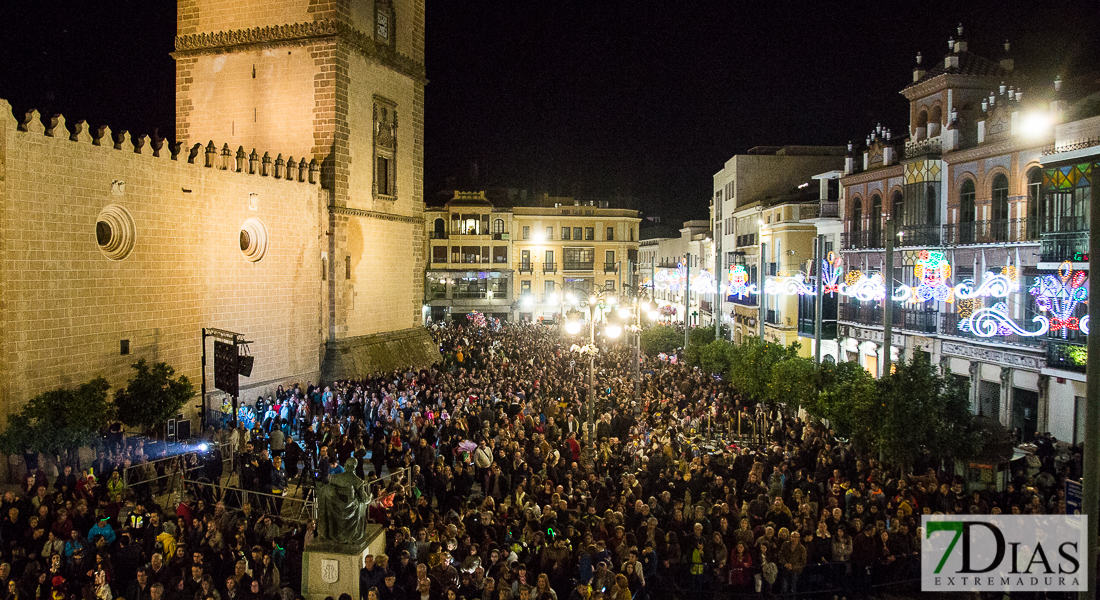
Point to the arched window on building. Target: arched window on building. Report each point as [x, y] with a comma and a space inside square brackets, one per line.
[875, 226]
[999, 225]
[1034, 196]
[498, 226]
[855, 225]
[440, 229]
[967, 216]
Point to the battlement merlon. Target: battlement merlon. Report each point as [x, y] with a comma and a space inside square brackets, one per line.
[208, 155]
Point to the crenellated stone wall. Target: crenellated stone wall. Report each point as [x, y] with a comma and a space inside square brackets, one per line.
[109, 237]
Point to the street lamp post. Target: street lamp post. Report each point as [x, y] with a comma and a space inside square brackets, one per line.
[593, 306]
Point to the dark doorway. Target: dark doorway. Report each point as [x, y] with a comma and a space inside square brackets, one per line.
[1025, 412]
[989, 400]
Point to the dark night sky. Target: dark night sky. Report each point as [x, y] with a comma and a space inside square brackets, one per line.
[612, 97]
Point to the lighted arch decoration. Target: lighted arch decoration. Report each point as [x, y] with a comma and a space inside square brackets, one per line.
[1059, 295]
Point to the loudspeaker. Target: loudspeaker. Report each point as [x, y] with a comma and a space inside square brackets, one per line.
[244, 365]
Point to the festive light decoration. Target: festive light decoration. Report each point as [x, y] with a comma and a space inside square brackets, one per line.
[967, 306]
[738, 283]
[830, 273]
[1060, 296]
[993, 321]
[863, 287]
[703, 283]
[933, 270]
[672, 279]
[790, 286]
[853, 277]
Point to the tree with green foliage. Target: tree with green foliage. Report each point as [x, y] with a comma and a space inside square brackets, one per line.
[794, 382]
[153, 396]
[918, 407]
[751, 366]
[715, 357]
[849, 401]
[697, 340]
[661, 338]
[58, 422]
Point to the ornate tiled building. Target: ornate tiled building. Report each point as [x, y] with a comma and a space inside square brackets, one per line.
[990, 204]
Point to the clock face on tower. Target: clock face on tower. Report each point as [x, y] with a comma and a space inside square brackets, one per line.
[383, 21]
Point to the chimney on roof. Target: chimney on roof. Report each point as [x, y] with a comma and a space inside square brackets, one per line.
[1058, 105]
[918, 71]
[1007, 63]
[960, 45]
[951, 61]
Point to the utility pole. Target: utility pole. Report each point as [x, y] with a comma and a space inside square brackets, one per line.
[819, 298]
[888, 306]
[761, 298]
[717, 308]
[1090, 490]
[687, 297]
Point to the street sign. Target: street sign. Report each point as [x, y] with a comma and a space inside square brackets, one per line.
[226, 368]
[1073, 497]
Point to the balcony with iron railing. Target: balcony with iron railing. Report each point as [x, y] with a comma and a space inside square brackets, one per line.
[1072, 245]
[526, 267]
[824, 209]
[925, 147]
[1067, 356]
[549, 267]
[919, 235]
[438, 235]
[748, 239]
[999, 231]
[610, 268]
[919, 320]
[858, 240]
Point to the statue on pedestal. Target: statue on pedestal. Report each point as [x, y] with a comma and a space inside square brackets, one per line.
[342, 507]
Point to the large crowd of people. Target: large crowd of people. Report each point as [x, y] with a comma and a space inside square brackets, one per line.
[486, 488]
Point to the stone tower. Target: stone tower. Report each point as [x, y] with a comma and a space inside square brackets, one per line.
[340, 82]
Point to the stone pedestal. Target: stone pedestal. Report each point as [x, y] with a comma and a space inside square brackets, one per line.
[333, 569]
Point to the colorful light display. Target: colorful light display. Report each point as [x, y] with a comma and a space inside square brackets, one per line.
[739, 283]
[703, 283]
[933, 270]
[830, 274]
[1059, 295]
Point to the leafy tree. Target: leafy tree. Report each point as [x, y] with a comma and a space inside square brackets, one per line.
[59, 422]
[697, 340]
[715, 357]
[793, 382]
[751, 367]
[849, 401]
[153, 396]
[661, 338]
[920, 407]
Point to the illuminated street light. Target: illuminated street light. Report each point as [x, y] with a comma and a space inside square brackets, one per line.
[1036, 125]
[612, 330]
[573, 327]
